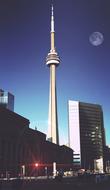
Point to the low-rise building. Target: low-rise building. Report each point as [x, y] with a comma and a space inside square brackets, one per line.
[22, 147]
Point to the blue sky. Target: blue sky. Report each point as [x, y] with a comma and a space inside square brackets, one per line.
[84, 72]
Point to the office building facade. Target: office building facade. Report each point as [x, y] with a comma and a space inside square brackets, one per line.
[86, 134]
[7, 100]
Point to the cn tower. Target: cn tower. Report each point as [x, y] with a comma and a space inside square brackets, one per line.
[52, 61]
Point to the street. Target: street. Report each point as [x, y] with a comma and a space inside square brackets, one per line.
[51, 184]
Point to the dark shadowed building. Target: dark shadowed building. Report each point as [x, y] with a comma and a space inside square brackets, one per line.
[107, 158]
[22, 147]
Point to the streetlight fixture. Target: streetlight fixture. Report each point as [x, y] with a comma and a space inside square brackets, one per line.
[36, 167]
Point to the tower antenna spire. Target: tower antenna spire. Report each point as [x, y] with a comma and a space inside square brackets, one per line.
[52, 19]
[52, 29]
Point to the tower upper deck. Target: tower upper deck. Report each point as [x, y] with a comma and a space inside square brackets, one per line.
[52, 57]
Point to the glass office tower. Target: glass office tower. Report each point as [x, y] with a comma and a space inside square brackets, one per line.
[7, 100]
[86, 134]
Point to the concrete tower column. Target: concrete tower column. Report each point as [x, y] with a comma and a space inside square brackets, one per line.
[52, 61]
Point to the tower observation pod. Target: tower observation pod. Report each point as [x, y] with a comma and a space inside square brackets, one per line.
[52, 60]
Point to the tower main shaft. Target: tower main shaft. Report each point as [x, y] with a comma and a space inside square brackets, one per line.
[52, 61]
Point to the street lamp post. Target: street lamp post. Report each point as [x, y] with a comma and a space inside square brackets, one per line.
[23, 170]
[54, 169]
[46, 174]
[36, 166]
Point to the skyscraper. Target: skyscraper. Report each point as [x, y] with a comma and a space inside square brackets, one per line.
[86, 134]
[7, 100]
[53, 61]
